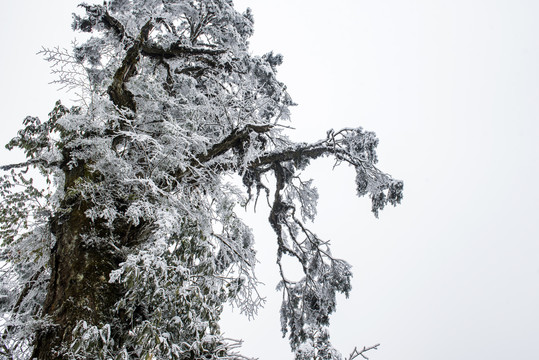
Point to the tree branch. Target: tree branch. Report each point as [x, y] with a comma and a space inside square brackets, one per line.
[26, 289]
[99, 13]
[117, 91]
[177, 49]
[31, 162]
[231, 141]
[301, 152]
[361, 353]
[110, 22]
[235, 139]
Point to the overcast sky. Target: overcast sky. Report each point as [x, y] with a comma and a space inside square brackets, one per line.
[452, 89]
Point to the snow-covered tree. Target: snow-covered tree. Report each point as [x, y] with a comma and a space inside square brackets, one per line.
[133, 246]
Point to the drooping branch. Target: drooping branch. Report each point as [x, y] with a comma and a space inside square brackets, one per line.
[308, 302]
[362, 159]
[277, 210]
[352, 146]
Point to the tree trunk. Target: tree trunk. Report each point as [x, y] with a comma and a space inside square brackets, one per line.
[79, 288]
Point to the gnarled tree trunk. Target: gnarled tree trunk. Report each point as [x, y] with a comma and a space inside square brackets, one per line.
[79, 288]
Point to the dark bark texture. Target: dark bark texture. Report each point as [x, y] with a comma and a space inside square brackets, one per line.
[79, 289]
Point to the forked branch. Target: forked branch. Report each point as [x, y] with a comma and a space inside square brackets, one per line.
[356, 353]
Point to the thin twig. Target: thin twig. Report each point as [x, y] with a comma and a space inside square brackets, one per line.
[361, 353]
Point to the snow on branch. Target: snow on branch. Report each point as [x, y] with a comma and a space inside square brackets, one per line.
[31, 162]
[140, 234]
[117, 90]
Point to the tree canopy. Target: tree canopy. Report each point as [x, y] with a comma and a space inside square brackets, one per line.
[135, 244]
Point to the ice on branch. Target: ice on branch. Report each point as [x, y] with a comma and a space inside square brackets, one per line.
[135, 245]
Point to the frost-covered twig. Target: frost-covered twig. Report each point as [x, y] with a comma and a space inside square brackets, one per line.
[31, 162]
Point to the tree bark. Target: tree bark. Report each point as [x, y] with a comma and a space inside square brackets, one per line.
[79, 289]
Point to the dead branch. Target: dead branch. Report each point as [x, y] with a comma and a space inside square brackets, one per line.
[362, 352]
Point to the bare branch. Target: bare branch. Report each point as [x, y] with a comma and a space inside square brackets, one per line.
[361, 353]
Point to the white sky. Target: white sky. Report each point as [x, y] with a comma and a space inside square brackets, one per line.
[452, 89]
